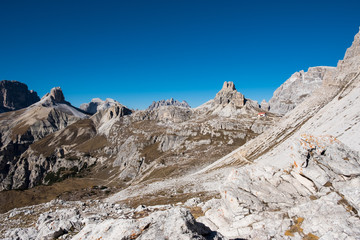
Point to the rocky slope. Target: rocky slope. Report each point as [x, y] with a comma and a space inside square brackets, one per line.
[169, 102]
[19, 129]
[297, 88]
[15, 95]
[303, 182]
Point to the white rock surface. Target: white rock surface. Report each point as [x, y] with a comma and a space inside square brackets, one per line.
[96, 104]
[297, 88]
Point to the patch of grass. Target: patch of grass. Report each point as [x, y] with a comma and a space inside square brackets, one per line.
[163, 197]
[310, 236]
[313, 197]
[328, 184]
[82, 135]
[196, 212]
[161, 173]
[95, 143]
[19, 130]
[151, 152]
[296, 228]
[347, 205]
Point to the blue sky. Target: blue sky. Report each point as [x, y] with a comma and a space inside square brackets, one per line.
[139, 51]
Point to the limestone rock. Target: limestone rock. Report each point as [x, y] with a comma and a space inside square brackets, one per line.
[297, 88]
[56, 96]
[176, 223]
[15, 95]
[228, 102]
[169, 102]
[229, 95]
[264, 105]
[97, 104]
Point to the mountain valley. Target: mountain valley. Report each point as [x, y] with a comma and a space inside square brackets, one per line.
[229, 169]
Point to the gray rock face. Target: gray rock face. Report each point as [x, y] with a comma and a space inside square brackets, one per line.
[229, 95]
[264, 105]
[15, 95]
[169, 102]
[97, 104]
[297, 88]
[55, 96]
[315, 190]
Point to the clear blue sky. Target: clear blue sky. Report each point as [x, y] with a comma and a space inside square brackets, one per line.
[139, 51]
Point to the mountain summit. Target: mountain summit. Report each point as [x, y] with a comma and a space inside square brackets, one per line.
[97, 104]
[56, 96]
[15, 95]
[229, 95]
[169, 102]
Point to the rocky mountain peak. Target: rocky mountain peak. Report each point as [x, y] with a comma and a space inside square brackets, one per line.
[228, 86]
[97, 104]
[15, 95]
[57, 94]
[229, 95]
[169, 102]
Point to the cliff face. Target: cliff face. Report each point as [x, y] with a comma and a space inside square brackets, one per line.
[15, 95]
[297, 88]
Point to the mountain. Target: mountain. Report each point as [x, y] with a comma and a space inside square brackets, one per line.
[136, 145]
[219, 171]
[169, 102]
[15, 95]
[298, 87]
[19, 129]
[97, 104]
[228, 102]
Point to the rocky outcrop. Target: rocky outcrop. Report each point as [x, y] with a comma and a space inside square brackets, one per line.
[306, 196]
[55, 97]
[169, 102]
[264, 105]
[297, 88]
[229, 95]
[15, 95]
[97, 220]
[97, 104]
[228, 102]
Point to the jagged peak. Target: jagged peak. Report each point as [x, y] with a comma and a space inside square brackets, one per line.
[168, 102]
[97, 104]
[228, 86]
[55, 96]
[229, 94]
